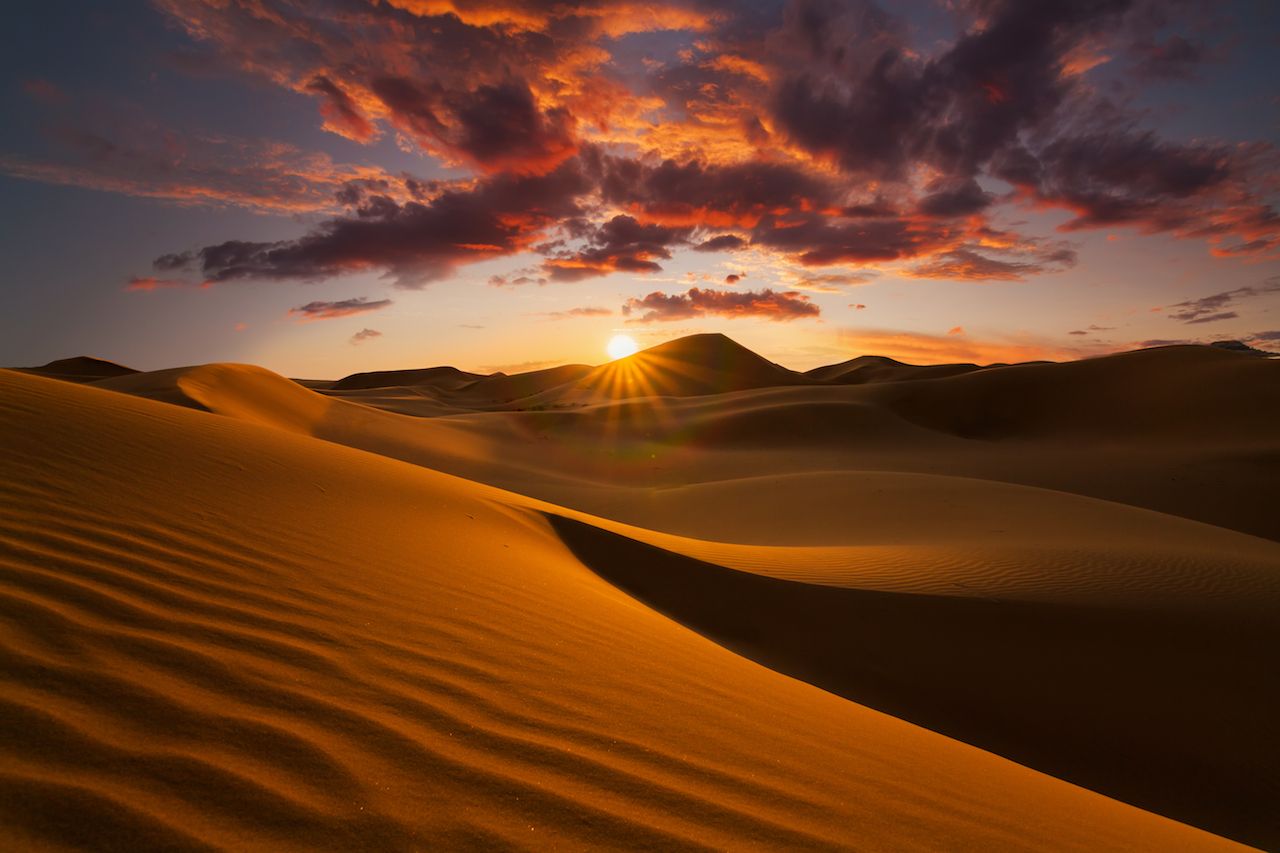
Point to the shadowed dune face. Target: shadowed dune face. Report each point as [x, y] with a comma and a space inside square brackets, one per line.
[221, 635]
[1160, 708]
[448, 378]
[872, 368]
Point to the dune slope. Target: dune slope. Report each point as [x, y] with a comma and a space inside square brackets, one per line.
[219, 635]
[1136, 675]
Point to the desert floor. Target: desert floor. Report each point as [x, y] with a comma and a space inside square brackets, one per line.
[689, 599]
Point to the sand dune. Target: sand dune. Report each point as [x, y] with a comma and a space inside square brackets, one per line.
[1185, 392]
[667, 616]
[436, 377]
[877, 368]
[690, 366]
[277, 643]
[1197, 440]
[1129, 670]
[81, 368]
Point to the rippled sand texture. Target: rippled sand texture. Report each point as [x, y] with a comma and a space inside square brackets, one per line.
[654, 623]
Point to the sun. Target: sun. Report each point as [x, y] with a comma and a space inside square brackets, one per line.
[621, 346]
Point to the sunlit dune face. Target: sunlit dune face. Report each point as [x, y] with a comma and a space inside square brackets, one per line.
[621, 346]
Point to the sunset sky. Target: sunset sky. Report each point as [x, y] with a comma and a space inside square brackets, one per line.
[332, 186]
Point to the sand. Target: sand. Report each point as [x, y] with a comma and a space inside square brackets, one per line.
[1028, 607]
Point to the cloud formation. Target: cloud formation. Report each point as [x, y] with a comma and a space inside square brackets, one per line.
[320, 310]
[415, 241]
[923, 348]
[811, 132]
[586, 311]
[697, 302]
[149, 161]
[364, 335]
[146, 284]
[1210, 309]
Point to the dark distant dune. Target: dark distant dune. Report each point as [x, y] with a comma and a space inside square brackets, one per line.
[1181, 392]
[878, 368]
[503, 388]
[81, 368]
[448, 378]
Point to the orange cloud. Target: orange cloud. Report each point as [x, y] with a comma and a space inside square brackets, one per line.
[950, 348]
[146, 284]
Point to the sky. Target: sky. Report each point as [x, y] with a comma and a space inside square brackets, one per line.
[332, 186]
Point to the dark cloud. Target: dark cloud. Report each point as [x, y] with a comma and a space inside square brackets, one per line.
[1212, 318]
[494, 127]
[817, 240]
[414, 241]
[721, 243]
[320, 310]
[1210, 309]
[622, 244]
[1122, 177]
[1007, 99]
[365, 335]
[860, 96]
[732, 278]
[698, 193]
[954, 198]
[766, 304]
[1160, 342]
[967, 263]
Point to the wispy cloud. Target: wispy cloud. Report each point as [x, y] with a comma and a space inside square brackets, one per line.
[1210, 309]
[955, 346]
[572, 313]
[320, 310]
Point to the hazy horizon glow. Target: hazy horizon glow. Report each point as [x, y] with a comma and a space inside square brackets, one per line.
[329, 187]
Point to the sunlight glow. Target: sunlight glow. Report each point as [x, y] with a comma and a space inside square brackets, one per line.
[621, 346]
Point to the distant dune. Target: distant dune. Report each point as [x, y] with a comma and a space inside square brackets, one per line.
[877, 368]
[438, 377]
[686, 599]
[82, 368]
